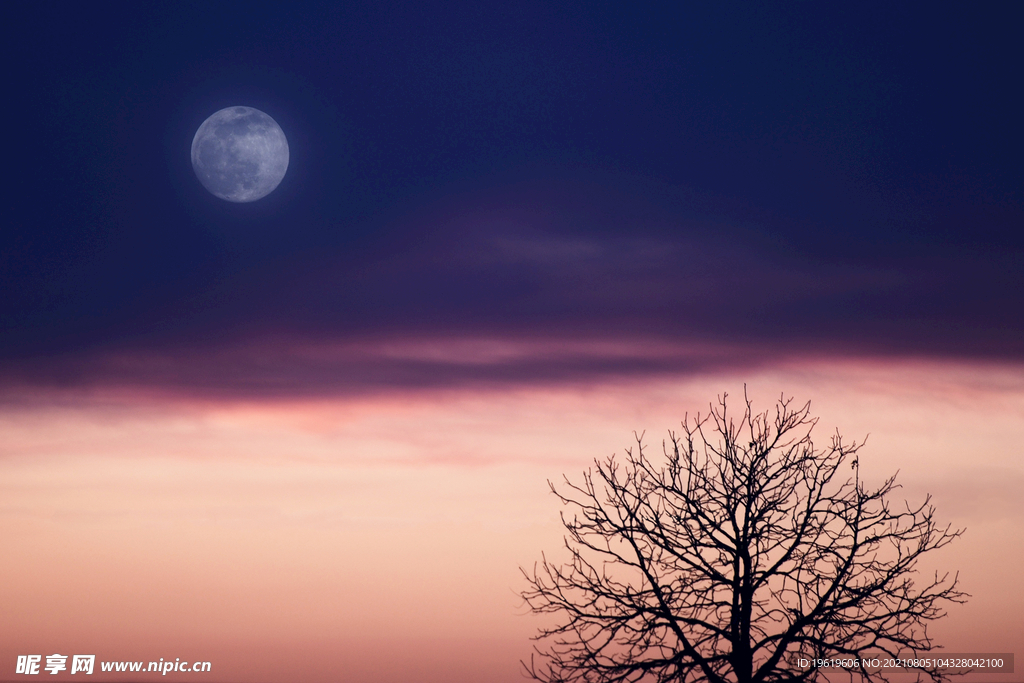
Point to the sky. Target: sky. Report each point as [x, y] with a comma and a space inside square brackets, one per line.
[309, 437]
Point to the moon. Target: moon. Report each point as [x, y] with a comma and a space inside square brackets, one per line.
[240, 154]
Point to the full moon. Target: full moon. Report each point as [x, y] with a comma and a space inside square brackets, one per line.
[240, 154]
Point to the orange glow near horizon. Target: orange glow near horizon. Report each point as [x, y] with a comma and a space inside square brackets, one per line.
[381, 537]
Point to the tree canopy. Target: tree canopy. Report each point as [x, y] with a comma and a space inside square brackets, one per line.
[744, 550]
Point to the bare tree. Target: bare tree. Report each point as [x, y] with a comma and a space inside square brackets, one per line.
[746, 551]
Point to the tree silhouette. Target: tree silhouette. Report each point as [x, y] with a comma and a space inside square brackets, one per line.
[746, 551]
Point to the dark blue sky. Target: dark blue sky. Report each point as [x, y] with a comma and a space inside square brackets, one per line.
[807, 178]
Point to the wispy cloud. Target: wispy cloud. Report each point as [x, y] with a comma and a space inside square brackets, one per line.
[504, 296]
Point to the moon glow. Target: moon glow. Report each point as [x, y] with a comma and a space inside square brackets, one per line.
[240, 154]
